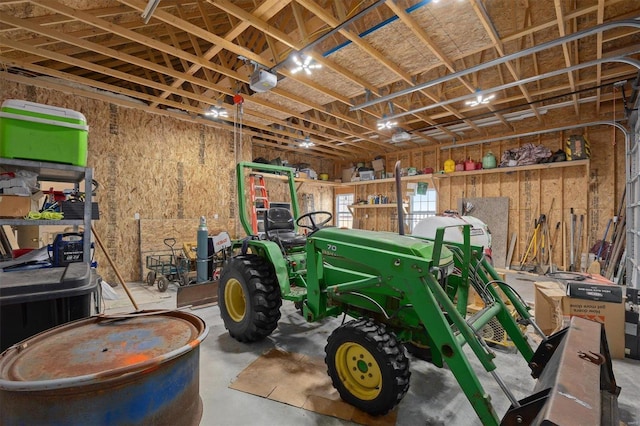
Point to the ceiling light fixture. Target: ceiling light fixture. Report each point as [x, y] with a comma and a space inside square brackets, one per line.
[480, 100]
[400, 136]
[306, 143]
[387, 125]
[216, 112]
[303, 63]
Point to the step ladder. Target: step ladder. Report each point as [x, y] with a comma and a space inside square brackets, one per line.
[259, 202]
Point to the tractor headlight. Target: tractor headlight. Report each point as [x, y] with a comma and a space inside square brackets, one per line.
[442, 272]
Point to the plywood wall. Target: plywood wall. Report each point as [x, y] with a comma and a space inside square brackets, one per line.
[162, 170]
[593, 190]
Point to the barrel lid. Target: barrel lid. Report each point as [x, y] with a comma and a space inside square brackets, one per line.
[102, 347]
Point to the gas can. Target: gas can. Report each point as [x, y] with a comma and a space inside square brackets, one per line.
[469, 165]
[489, 161]
[449, 166]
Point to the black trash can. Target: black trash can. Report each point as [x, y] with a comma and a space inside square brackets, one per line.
[36, 300]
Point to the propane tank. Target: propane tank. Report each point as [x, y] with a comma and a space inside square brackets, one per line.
[202, 251]
[489, 161]
[449, 166]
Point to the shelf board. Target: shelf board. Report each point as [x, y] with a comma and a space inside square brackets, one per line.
[46, 171]
[19, 222]
[300, 180]
[373, 206]
[414, 178]
[515, 168]
[418, 178]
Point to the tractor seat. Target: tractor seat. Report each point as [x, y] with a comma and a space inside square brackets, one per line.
[279, 227]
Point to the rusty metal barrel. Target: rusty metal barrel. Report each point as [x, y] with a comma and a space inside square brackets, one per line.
[129, 369]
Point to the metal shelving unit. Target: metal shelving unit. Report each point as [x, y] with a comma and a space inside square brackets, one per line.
[54, 172]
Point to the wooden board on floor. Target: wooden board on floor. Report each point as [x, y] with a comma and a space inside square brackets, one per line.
[301, 381]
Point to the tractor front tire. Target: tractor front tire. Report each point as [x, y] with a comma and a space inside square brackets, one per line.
[249, 298]
[367, 366]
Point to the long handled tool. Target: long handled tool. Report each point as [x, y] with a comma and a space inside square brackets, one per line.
[535, 241]
[115, 269]
[572, 266]
[578, 248]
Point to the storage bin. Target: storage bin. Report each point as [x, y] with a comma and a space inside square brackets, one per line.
[40, 132]
[74, 209]
[32, 301]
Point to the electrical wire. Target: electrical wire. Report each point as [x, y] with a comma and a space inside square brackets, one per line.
[45, 215]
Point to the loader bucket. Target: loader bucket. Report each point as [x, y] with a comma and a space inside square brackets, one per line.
[575, 384]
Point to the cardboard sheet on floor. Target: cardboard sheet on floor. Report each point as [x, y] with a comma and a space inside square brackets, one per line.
[303, 382]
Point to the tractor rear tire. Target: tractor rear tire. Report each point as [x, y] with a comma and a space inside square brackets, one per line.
[249, 298]
[367, 366]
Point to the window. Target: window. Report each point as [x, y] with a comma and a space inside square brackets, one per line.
[344, 218]
[422, 206]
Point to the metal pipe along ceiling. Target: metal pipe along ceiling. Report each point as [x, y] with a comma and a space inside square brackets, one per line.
[621, 59]
[539, 132]
[634, 23]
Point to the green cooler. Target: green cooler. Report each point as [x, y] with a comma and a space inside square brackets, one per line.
[40, 132]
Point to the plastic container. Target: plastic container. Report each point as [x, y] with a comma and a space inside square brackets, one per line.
[469, 165]
[33, 131]
[449, 166]
[127, 369]
[489, 161]
[35, 300]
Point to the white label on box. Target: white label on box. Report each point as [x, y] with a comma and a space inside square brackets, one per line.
[631, 329]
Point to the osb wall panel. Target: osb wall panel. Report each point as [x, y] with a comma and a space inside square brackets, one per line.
[158, 167]
[593, 191]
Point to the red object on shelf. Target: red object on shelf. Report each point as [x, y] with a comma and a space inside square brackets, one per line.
[469, 165]
[55, 195]
[19, 252]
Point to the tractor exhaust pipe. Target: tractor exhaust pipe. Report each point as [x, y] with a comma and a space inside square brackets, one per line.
[399, 199]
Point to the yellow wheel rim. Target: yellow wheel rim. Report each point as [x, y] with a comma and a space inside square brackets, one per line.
[234, 300]
[359, 371]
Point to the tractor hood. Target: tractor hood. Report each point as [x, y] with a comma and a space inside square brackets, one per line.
[386, 241]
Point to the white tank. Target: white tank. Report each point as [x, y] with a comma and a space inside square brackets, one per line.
[480, 234]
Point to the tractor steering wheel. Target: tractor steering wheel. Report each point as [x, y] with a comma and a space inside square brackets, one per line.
[314, 226]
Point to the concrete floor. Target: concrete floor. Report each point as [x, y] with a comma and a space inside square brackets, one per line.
[434, 397]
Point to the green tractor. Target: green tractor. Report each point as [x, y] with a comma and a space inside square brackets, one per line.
[403, 293]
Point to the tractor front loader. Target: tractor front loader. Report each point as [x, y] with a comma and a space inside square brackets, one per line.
[406, 292]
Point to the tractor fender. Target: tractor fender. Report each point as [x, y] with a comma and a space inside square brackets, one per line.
[271, 251]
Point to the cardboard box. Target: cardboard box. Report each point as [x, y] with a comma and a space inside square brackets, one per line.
[347, 174]
[548, 306]
[594, 291]
[554, 308]
[378, 165]
[17, 206]
[608, 313]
